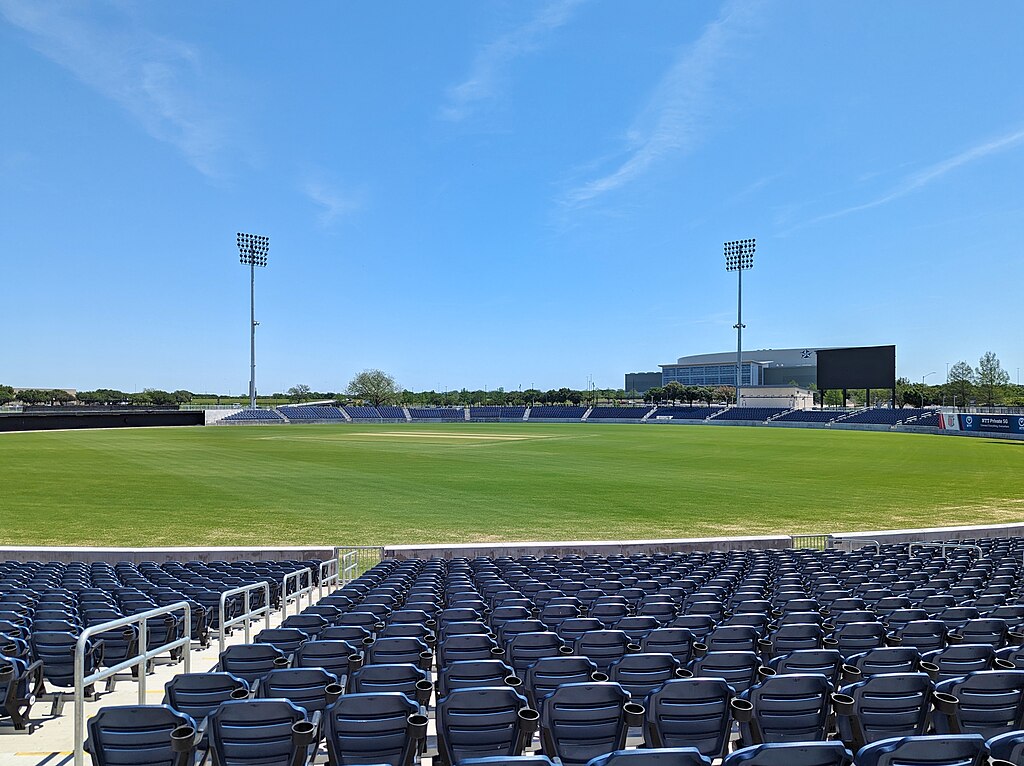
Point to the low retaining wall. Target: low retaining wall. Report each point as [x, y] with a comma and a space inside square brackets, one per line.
[123, 419]
[159, 555]
[583, 548]
[928, 534]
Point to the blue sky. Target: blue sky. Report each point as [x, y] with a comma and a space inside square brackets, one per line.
[510, 193]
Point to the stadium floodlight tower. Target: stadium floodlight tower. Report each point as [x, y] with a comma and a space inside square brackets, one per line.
[739, 256]
[252, 252]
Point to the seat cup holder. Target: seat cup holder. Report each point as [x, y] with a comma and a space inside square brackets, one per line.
[332, 692]
[426, 660]
[183, 739]
[830, 643]
[417, 726]
[430, 624]
[742, 710]
[999, 762]
[303, 733]
[893, 640]
[423, 691]
[1000, 664]
[497, 651]
[280, 662]
[529, 720]
[851, 673]
[599, 677]
[634, 713]
[946, 704]
[368, 641]
[491, 635]
[355, 661]
[765, 672]
[6, 672]
[843, 704]
[828, 627]
[930, 668]
[634, 648]
[513, 681]
[699, 649]
[683, 673]
[1015, 638]
[565, 650]
[954, 638]
[241, 693]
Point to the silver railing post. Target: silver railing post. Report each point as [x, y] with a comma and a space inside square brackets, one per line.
[299, 591]
[249, 614]
[142, 658]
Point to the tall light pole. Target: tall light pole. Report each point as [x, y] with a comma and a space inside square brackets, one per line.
[922, 385]
[739, 256]
[252, 252]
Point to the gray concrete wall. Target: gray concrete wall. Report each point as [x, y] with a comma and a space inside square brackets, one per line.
[583, 548]
[135, 555]
[928, 534]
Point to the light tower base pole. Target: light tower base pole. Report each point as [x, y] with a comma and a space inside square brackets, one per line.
[252, 336]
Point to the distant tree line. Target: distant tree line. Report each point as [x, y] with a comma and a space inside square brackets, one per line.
[54, 396]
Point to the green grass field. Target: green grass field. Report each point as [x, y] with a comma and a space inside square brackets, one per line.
[466, 482]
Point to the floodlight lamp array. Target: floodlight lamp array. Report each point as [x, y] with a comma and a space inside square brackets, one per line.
[739, 254]
[253, 249]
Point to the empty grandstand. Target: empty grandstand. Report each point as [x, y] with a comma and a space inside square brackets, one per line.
[618, 413]
[565, 657]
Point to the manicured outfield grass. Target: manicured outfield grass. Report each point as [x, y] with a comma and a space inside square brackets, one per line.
[465, 482]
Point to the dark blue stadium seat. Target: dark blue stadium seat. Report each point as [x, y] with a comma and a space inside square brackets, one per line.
[141, 735]
[785, 708]
[548, 673]
[312, 689]
[1008, 747]
[885, 706]
[250, 662]
[482, 722]
[21, 683]
[674, 756]
[199, 694]
[406, 678]
[270, 731]
[583, 721]
[792, 754]
[991, 702]
[952, 750]
[690, 712]
[640, 674]
[384, 728]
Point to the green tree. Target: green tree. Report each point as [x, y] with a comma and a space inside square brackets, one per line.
[654, 395]
[181, 396]
[531, 395]
[299, 393]
[674, 391]
[960, 383]
[991, 378]
[158, 396]
[375, 387]
[726, 394]
[6, 394]
[33, 396]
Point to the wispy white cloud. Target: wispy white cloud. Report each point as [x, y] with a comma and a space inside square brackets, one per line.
[153, 78]
[489, 68]
[332, 203]
[928, 175]
[677, 114]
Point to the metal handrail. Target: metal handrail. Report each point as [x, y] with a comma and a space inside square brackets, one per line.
[248, 614]
[851, 541]
[349, 564]
[330, 574]
[299, 591]
[143, 657]
[943, 546]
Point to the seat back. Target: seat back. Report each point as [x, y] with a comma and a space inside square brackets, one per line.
[306, 687]
[582, 721]
[381, 728]
[482, 722]
[887, 705]
[251, 662]
[640, 674]
[524, 649]
[140, 735]
[826, 662]
[739, 669]
[467, 674]
[887, 659]
[790, 708]
[254, 731]
[991, 702]
[678, 756]
[406, 678]
[199, 694]
[603, 646]
[548, 673]
[690, 712]
[962, 750]
[792, 754]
